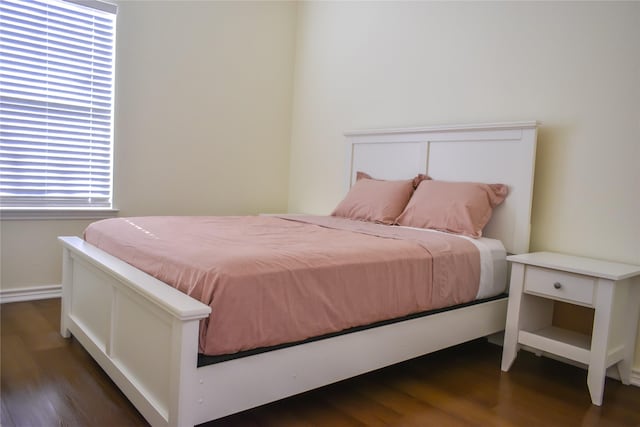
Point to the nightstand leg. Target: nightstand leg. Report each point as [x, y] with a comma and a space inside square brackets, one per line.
[595, 382]
[624, 370]
[600, 340]
[509, 353]
[67, 273]
[511, 347]
[632, 311]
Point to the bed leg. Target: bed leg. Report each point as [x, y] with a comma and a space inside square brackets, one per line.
[67, 278]
[185, 389]
[66, 333]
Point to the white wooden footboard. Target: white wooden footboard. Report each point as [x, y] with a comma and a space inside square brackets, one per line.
[143, 333]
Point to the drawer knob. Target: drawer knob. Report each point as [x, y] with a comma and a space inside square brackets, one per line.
[557, 285]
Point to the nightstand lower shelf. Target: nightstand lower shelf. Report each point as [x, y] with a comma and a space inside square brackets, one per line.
[562, 342]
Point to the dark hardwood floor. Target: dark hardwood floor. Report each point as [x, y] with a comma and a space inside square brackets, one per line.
[49, 381]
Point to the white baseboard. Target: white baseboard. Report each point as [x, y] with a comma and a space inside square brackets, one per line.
[30, 294]
[635, 377]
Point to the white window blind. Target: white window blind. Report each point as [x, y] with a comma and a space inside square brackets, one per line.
[56, 103]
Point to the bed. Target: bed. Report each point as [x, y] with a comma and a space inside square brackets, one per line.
[108, 305]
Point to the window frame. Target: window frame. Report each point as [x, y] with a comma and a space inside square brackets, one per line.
[44, 208]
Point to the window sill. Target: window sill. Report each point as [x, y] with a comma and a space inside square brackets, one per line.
[56, 213]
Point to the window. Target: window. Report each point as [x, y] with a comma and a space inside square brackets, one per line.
[56, 103]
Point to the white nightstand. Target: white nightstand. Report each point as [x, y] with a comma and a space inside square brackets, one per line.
[612, 289]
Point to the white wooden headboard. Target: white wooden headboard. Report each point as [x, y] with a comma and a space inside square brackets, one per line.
[490, 153]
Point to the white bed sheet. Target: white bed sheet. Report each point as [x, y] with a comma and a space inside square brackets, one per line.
[493, 263]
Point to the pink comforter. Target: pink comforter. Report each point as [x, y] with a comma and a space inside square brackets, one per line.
[273, 280]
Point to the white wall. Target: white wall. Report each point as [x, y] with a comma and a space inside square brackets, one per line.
[203, 107]
[575, 66]
[30, 253]
[203, 110]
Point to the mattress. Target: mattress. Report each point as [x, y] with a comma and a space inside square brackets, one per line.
[493, 268]
[276, 280]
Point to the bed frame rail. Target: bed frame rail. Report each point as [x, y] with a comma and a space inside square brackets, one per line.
[239, 384]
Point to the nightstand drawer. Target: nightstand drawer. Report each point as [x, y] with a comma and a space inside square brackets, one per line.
[559, 285]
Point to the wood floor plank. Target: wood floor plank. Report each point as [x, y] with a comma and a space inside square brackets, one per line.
[26, 310]
[369, 412]
[311, 407]
[412, 411]
[451, 403]
[49, 381]
[279, 414]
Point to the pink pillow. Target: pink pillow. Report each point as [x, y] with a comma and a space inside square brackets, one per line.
[457, 207]
[375, 200]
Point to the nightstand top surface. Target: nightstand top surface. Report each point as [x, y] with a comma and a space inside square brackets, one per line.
[580, 265]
